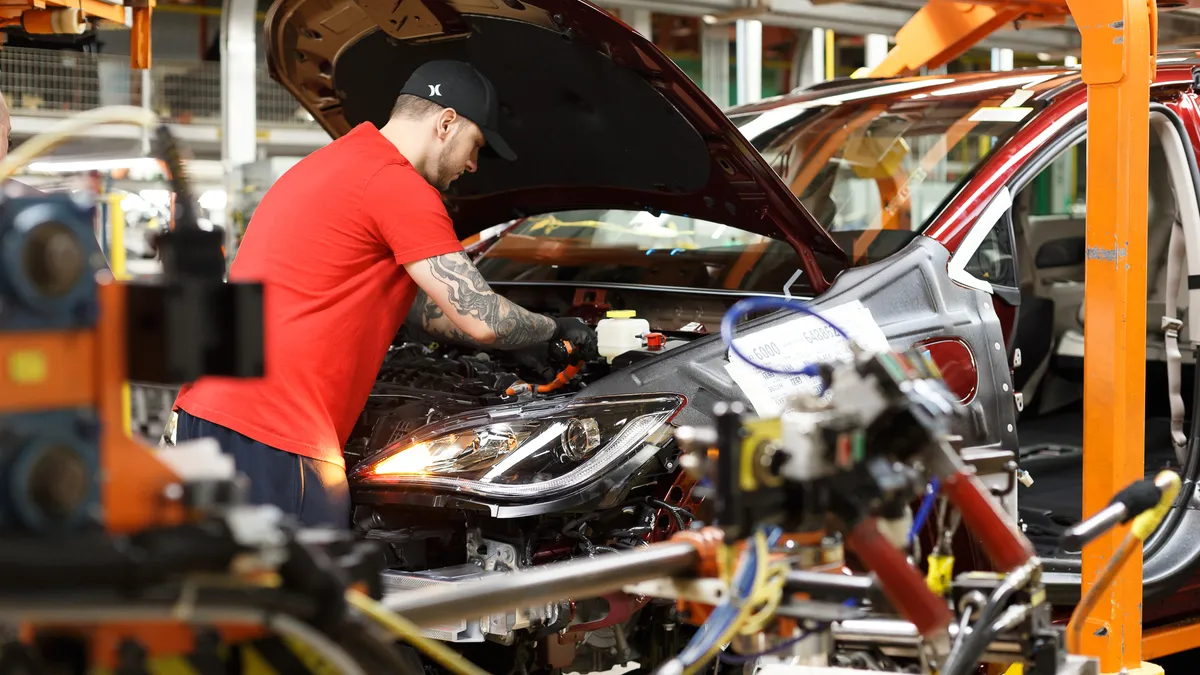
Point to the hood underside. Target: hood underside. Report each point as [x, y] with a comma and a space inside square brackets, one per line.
[598, 116]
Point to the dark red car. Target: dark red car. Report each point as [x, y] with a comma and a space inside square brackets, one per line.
[945, 211]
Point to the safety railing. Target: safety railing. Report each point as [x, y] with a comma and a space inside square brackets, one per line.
[51, 83]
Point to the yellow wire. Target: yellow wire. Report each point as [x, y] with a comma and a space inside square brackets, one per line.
[410, 633]
[767, 602]
[764, 596]
[1145, 523]
[1143, 526]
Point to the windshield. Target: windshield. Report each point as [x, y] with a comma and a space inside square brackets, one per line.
[639, 248]
[875, 173]
[874, 166]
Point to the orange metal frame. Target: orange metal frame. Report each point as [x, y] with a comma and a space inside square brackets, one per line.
[88, 368]
[1173, 639]
[1120, 38]
[36, 16]
[1119, 42]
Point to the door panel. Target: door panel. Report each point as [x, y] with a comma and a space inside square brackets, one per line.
[910, 297]
[1058, 246]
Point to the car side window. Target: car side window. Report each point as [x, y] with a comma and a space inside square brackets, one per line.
[994, 261]
[1049, 223]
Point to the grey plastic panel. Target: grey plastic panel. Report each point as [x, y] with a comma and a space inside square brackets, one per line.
[910, 297]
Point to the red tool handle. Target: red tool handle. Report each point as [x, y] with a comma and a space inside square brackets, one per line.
[1007, 548]
[903, 585]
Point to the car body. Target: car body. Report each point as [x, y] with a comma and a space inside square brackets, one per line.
[616, 146]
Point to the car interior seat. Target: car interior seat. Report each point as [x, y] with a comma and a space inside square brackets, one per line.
[1069, 312]
[1162, 215]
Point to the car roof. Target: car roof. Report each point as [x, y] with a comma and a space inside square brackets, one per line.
[1046, 83]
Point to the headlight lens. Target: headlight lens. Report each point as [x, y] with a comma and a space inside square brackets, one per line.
[538, 449]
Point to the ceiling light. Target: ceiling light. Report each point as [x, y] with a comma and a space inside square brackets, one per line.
[1000, 114]
[77, 166]
[987, 85]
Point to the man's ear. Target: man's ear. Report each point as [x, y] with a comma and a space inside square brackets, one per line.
[445, 123]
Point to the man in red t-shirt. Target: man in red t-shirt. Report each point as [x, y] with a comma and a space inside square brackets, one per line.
[342, 242]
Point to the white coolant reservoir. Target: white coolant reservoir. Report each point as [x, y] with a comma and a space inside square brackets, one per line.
[619, 333]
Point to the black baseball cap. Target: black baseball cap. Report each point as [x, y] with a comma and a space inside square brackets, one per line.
[458, 85]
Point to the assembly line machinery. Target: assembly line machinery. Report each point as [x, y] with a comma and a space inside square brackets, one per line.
[117, 553]
[844, 463]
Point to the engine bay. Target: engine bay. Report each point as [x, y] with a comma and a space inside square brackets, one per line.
[422, 381]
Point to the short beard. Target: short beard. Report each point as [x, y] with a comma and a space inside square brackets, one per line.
[443, 174]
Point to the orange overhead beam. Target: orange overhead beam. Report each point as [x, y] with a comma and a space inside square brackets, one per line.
[940, 32]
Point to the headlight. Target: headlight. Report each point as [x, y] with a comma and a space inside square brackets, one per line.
[529, 450]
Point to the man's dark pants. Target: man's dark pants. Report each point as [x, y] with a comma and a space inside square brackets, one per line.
[315, 491]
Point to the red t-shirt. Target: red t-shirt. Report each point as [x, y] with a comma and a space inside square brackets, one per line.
[328, 241]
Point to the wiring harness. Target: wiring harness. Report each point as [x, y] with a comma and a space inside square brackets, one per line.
[755, 592]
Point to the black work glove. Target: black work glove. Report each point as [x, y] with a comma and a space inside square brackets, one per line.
[579, 334]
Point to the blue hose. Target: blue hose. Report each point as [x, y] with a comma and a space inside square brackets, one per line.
[725, 614]
[924, 511]
[743, 307]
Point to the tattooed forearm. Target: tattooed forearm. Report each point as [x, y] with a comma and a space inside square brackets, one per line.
[429, 320]
[469, 295]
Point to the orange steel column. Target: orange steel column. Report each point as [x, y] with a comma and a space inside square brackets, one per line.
[1119, 40]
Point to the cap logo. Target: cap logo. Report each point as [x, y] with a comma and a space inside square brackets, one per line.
[435, 90]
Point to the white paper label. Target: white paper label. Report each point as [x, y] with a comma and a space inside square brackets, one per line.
[795, 344]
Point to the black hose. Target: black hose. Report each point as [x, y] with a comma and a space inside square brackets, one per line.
[1191, 471]
[675, 511]
[589, 547]
[967, 652]
[186, 251]
[376, 655]
[982, 634]
[101, 561]
[574, 524]
[168, 152]
[269, 601]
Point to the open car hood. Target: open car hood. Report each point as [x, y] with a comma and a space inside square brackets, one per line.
[598, 116]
